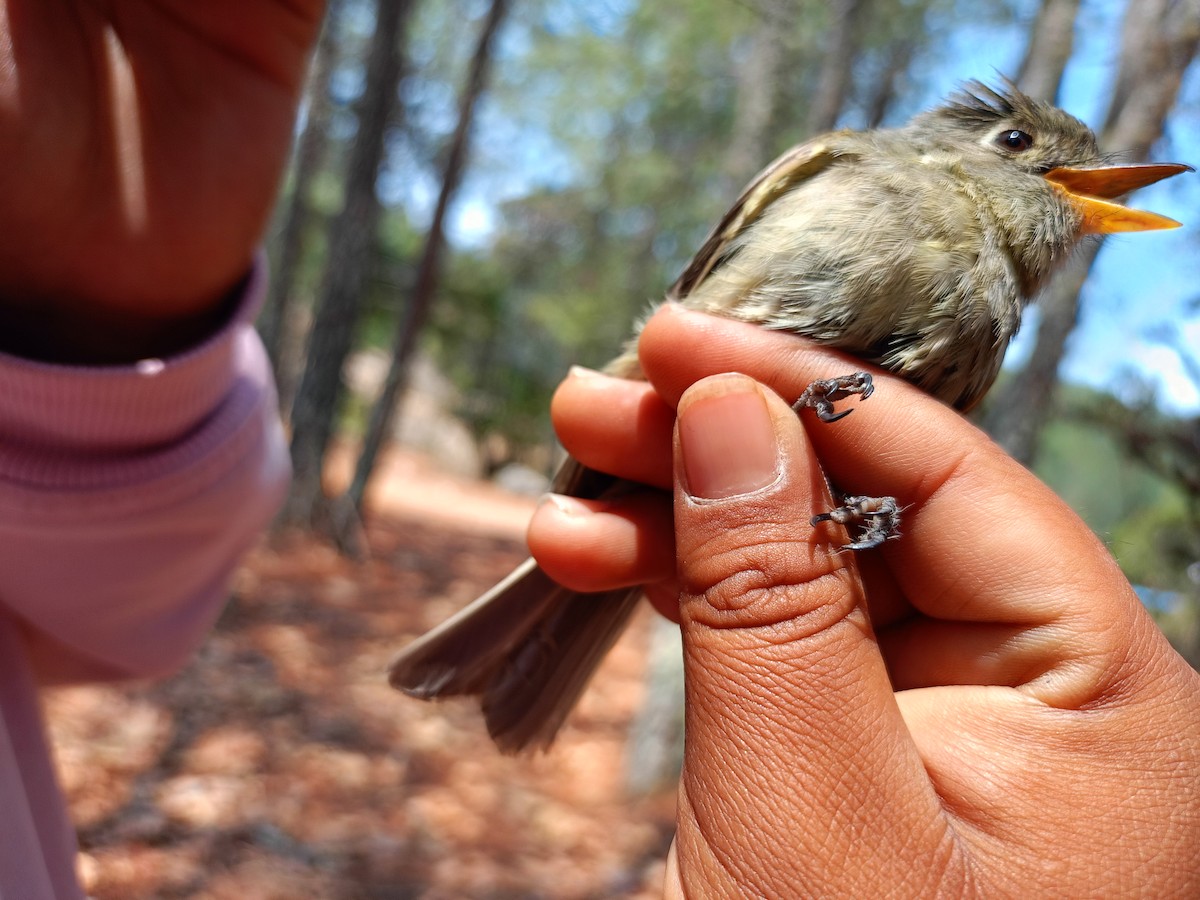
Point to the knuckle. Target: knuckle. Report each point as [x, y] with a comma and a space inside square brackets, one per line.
[779, 583]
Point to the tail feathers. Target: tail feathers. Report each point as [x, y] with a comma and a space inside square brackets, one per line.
[530, 695]
[459, 655]
[527, 648]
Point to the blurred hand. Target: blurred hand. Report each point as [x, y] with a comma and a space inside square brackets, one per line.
[141, 143]
[981, 706]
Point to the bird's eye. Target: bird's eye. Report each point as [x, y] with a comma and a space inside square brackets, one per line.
[1016, 141]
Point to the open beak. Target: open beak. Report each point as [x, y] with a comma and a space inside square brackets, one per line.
[1092, 190]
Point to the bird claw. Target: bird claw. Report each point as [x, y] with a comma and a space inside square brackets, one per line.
[820, 395]
[876, 518]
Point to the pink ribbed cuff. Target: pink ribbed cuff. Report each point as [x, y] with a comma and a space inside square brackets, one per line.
[59, 423]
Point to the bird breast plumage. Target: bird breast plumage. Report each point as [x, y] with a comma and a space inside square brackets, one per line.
[883, 268]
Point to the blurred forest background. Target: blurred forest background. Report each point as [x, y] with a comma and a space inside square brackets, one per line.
[484, 192]
[487, 191]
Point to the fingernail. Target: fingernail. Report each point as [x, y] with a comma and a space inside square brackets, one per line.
[727, 440]
[582, 372]
[568, 506]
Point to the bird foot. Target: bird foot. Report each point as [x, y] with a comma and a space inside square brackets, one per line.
[820, 395]
[876, 518]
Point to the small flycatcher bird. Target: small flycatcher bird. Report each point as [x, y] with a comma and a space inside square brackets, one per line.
[913, 248]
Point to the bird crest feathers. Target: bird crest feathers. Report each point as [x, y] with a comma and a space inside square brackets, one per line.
[976, 103]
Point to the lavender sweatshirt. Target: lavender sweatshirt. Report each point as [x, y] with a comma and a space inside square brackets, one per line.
[127, 495]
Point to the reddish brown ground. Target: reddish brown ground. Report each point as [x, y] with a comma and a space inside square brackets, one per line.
[280, 765]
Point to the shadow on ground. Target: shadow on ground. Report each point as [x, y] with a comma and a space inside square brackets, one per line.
[280, 765]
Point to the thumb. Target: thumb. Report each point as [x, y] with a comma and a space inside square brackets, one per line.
[798, 771]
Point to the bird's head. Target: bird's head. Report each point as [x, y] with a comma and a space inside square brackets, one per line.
[1035, 138]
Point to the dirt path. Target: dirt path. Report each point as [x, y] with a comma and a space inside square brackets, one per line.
[280, 765]
[408, 485]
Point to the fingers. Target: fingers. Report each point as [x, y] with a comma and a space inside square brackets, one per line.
[624, 428]
[797, 759]
[599, 545]
[983, 540]
[615, 425]
[984, 543]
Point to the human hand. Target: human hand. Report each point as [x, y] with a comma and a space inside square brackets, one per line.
[981, 706]
[141, 145]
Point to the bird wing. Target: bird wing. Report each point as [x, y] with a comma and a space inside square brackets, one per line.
[797, 164]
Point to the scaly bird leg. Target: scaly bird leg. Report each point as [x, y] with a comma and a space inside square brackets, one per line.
[820, 395]
[876, 518]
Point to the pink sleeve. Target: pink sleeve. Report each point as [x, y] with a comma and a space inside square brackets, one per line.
[127, 495]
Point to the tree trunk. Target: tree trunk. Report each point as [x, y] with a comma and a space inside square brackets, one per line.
[1016, 414]
[428, 272]
[1158, 44]
[833, 80]
[883, 92]
[1051, 41]
[276, 320]
[758, 77]
[340, 299]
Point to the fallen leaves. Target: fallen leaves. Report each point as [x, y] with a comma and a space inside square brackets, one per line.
[279, 763]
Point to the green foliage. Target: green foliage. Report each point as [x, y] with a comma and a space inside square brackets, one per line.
[490, 355]
[1155, 544]
[1148, 519]
[1090, 472]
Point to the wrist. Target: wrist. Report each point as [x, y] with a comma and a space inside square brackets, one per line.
[69, 333]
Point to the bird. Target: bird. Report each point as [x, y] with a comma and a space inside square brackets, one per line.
[914, 248]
